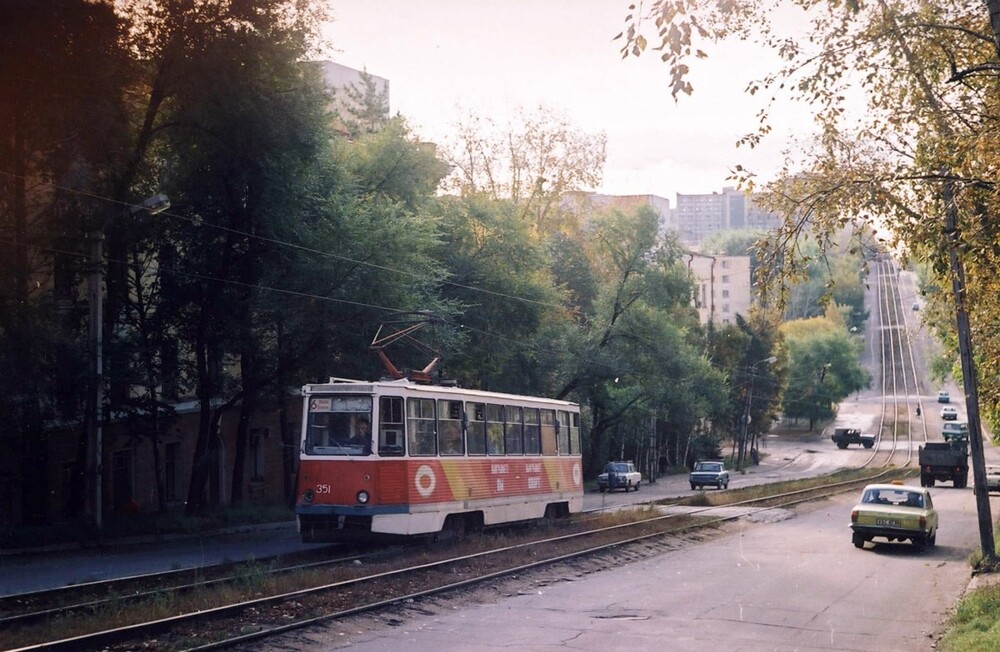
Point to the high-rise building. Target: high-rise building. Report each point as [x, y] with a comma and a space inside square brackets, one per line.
[699, 216]
[346, 84]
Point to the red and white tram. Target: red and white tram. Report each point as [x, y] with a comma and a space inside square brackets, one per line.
[438, 458]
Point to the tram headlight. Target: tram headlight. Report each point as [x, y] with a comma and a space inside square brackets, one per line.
[363, 497]
[308, 495]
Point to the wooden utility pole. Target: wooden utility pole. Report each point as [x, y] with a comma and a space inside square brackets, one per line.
[986, 540]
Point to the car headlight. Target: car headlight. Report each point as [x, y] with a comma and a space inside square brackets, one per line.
[363, 497]
[308, 495]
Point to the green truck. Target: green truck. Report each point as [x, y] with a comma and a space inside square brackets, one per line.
[945, 461]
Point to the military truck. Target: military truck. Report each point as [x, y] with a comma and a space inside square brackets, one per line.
[945, 461]
[843, 437]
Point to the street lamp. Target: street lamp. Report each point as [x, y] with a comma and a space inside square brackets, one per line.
[95, 290]
[817, 394]
[746, 417]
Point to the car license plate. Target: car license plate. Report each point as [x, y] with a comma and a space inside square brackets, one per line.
[887, 521]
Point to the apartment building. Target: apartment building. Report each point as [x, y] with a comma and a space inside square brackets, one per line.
[584, 202]
[723, 287]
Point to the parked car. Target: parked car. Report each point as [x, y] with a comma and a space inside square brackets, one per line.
[944, 397]
[992, 478]
[895, 512]
[709, 473]
[949, 413]
[916, 306]
[619, 475]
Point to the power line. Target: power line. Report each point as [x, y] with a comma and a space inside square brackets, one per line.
[298, 247]
[310, 250]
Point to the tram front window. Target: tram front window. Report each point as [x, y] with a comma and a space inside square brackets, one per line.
[339, 425]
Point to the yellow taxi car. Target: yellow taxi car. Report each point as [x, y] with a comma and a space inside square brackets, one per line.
[897, 513]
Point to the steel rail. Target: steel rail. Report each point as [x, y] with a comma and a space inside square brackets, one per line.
[50, 595]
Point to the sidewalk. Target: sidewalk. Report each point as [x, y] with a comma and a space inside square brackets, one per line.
[51, 568]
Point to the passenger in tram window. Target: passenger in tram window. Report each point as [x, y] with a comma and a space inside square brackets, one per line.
[450, 437]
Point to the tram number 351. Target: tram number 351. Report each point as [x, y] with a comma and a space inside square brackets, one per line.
[323, 488]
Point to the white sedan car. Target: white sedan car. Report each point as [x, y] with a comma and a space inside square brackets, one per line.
[993, 478]
[949, 413]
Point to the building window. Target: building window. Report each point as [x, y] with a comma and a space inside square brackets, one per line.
[725, 264]
[172, 470]
[67, 471]
[725, 294]
[725, 278]
[121, 478]
[725, 307]
[257, 437]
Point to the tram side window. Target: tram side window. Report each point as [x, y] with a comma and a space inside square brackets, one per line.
[532, 441]
[574, 433]
[420, 433]
[390, 426]
[515, 446]
[494, 429]
[450, 427]
[562, 430]
[549, 446]
[476, 430]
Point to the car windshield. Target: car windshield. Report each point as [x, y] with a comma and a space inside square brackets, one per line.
[617, 468]
[708, 466]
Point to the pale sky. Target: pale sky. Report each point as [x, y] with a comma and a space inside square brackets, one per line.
[493, 57]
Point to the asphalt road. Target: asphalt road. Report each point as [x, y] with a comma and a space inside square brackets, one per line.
[796, 584]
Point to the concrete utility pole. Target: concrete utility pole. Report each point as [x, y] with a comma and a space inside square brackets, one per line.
[95, 397]
[968, 375]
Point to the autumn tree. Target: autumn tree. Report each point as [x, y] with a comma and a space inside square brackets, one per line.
[533, 162]
[904, 95]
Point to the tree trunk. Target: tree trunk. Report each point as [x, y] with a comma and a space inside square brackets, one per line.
[199, 467]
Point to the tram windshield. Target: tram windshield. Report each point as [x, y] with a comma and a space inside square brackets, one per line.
[339, 425]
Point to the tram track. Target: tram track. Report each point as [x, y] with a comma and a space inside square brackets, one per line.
[900, 386]
[20, 609]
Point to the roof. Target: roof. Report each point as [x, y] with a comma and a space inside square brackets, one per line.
[897, 487]
[339, 386]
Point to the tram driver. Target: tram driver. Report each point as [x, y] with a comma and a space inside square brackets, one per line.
[362, 436]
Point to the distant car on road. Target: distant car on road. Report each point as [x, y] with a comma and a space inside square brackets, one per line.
[709, 473]
[897, 513]
[955, 430]
[993, 478]
[944, 397]
[916, 306]
[949, 413]
[619, 475]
